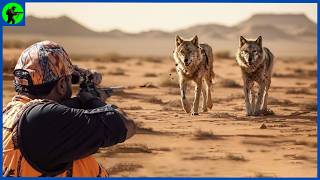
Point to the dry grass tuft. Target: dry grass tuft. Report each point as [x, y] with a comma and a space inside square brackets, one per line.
[101, 67]
[298, 91]
[117, 72]
[296, 157]
[124, 167]
[154, 100]
[205, 135]
[124, 148]
[146, 130]
[133, 108]
[264, 175]
[228, 83]
[150, 75]
[151, 59]
[236, 157]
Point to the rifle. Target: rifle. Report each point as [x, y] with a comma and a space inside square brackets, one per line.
[17, 13]
[87, 84]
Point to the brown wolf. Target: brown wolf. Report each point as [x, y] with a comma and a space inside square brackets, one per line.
[194, 62]
[256, 64]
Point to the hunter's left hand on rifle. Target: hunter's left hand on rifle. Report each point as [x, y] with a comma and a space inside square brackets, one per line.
[88, 82]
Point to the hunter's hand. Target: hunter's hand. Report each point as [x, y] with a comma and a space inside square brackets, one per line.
[85, 97]
[102, 95]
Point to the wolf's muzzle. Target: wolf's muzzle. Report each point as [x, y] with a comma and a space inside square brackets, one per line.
[186, 62]
[250, 61]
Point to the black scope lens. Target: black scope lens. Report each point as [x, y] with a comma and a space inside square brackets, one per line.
[75, 78]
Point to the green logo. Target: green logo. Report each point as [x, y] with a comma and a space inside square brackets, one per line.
[12, 13]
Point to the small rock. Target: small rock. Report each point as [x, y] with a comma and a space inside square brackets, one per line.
[263, 126]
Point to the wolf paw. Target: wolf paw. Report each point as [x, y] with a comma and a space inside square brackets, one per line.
[267, 112]
[209, 105]
[256, 113]
[249, 114]
[194, 114]
[205, 110]
[187, 110]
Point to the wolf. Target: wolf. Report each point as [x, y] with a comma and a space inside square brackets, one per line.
[256, 63]
[194, 62]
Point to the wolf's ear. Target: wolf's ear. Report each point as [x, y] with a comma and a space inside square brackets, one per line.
[259, 41]
[179, 40]
[242, 41]
[195, 40]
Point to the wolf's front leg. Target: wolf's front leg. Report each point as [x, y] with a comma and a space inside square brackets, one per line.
[265, 98]
[184, 100]
[208, 80]
[247, 91]
[261, 94]
[196, 97]
[204, 101]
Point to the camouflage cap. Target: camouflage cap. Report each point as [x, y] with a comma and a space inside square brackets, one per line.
[42, 62]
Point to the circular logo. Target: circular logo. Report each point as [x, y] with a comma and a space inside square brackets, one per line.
[12, 13]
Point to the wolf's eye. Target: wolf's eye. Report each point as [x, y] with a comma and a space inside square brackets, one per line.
[254, 51]
[245, 52]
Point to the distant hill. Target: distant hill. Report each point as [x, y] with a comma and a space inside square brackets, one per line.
[208, 30]
[51, 26]
[271, 26]
[291, 24]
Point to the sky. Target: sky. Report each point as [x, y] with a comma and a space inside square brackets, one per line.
[137, 17]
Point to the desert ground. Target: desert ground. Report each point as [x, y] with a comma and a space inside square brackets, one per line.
[223, 142]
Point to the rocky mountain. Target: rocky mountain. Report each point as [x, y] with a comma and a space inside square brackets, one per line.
[271, 26]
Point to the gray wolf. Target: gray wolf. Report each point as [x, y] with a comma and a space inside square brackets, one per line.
[194, 62]
[256, 63]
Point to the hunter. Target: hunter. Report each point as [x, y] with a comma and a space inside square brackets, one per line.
[48, 133]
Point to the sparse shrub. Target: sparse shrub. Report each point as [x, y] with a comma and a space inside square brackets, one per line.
[236, 157]
[150, 75]
[298, 91]
[117, 72]
[151, 59]
[205, 135]
[124, 167]
[154, 100]
[228, 83]
[100, 67]
[133, 108]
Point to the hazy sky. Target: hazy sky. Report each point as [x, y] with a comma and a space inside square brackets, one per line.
[136, 17]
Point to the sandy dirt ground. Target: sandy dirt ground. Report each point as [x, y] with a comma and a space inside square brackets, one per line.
[220, 143]
[155, 46]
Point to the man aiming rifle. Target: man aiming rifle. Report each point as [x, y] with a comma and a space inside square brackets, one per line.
[48, 133]
[11, 13]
